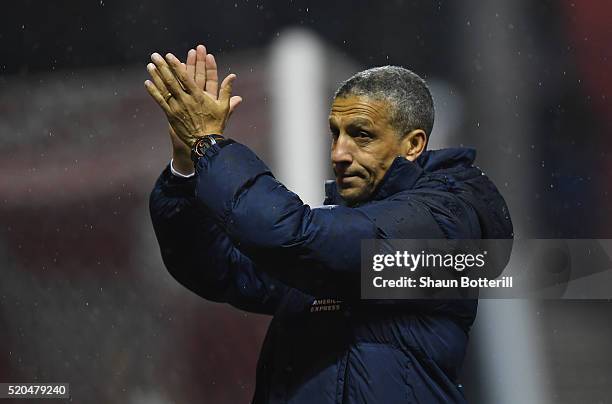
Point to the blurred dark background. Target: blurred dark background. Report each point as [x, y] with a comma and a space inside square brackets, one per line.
[84, 296]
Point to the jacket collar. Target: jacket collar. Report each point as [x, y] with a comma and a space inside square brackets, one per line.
[403, 174]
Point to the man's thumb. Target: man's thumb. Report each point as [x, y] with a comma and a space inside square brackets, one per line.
[234, 102]
[226, 88]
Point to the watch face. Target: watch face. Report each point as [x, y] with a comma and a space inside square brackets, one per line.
[199, 147]
[202, 144]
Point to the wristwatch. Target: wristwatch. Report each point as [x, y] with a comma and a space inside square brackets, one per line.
[202, 144]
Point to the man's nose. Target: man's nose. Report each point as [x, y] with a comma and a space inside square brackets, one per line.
[341, 151]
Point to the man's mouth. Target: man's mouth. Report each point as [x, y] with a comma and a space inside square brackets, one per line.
[347, 178]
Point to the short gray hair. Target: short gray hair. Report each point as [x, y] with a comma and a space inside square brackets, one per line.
[405, 91]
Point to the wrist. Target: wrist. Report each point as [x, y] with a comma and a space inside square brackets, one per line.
[181, 153]
[193, 139]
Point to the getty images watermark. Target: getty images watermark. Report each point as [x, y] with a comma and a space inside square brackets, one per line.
[422, 261]
[495, 268]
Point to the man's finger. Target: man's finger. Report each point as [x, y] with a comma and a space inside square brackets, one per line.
[212, 76]
[187, 82]
[167, 76]
[200, 66]
[157, 79]
[191, 63]
[161, 87]
[226, 88]
[154, 92]
[234, 102]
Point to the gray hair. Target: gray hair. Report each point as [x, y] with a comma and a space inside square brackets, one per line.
[405, 91]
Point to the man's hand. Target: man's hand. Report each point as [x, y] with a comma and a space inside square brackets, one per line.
[202, 67]
[177, 88]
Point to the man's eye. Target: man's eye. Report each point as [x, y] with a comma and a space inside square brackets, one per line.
[364, 134]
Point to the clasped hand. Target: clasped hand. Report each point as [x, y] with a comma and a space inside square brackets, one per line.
[187, 93]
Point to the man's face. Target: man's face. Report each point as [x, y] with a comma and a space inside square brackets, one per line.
[363, 145]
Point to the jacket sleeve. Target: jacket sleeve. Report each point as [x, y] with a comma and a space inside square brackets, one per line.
[200, 256]
[315, 250]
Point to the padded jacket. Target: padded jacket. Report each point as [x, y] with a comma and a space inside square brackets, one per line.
[235, 234]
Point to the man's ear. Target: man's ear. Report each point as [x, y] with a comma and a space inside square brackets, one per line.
[413, 144]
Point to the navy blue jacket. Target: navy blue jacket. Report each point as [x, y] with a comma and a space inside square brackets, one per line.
[234, 234]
